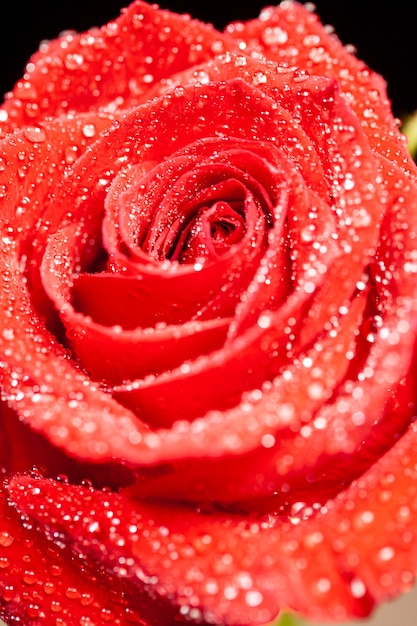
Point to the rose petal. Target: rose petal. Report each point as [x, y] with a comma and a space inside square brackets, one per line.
[229, 569]
[302, 559]
[293, 36]
[112, 67]
[42, 583]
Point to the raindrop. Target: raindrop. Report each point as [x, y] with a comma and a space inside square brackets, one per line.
[358, 588]
[94, 527]
[300, 76]
[254, 598]
[274, 35]
[29, 577]
[268, 441]
[212, 587]
[259, 78]
[386, 553]
[230, 593]
[56, 570]
[89, 130]
[56, 606]
[309, 287]
[323, 585]
[265, 320]
[34, 134]
[71, 154]
[49, 588]
[6, 539]
[72, 593]
[86, 599]
[73, 61]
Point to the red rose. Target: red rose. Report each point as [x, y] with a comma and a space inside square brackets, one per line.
[208, 322]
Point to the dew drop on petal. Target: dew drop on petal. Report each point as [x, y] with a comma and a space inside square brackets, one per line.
[89, 130]
[28, 577]
[268, 441]
[386, 553]
[73, 61]
[34, 134]
[253, 598]
[264, 320]
[259, 78]
[6, 539]
[274, 35]
[49, 588]
[323, 585]
[358, 588]
[72, 593]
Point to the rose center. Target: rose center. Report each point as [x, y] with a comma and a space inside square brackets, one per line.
[197, 207]
[210, 233]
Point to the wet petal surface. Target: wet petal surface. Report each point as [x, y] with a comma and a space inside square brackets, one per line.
[208, 315]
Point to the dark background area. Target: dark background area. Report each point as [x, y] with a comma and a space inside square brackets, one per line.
[383, 34]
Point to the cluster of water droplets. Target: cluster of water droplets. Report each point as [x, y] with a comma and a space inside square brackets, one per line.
[277, 418]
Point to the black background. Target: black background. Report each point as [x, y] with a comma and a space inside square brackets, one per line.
[383, 34]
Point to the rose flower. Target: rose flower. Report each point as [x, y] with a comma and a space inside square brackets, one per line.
[208, 327]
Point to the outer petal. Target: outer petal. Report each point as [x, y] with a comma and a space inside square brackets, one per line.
[62, 420]
[293, 36]
[330, 565]
[222, 569]
[111, 67]
[42, 584]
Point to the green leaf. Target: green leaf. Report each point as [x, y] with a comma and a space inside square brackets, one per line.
[409, 128]
[288, 619]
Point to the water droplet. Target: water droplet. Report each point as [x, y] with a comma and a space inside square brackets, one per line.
[72, 593]
[89, 130]
[268, 441]
[6, 539]
[94, 527]
[86, 599]
[71, 154]
[273, 35]
[254, 598]
[56, 570]
[86, 621]
[56, 606]
[8, 335]
[73, 61]
[265, 320]
[34, 134]
[259, 78]
[358, 588]
[29, 577]
[323, 585]
[49, 588]
[386, 553]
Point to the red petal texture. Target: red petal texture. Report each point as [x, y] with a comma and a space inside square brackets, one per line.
[294, 37]
[208, 315]
[112, 67]
[44, 584]
[315, 565]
